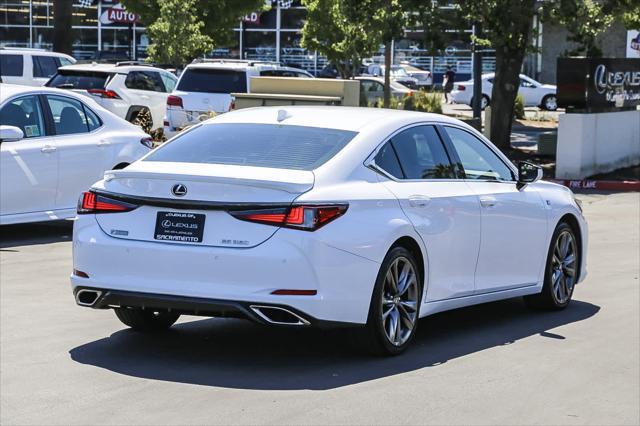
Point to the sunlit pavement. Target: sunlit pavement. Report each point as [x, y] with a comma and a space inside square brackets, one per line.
[492, 364]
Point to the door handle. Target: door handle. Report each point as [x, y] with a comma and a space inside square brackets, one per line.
[104, 143]
[419, 201]
[48, 149]
[488, 201]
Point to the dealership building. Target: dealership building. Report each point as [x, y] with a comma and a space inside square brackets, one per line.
[274, 35]
[104, 25]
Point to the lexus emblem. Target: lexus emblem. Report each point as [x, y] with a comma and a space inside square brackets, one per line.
[179, 190]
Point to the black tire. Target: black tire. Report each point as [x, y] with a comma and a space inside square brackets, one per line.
[373, 337]
[146, 320]
[543, 104]
[547, 299]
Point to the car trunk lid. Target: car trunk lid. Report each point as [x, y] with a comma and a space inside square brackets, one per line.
[198, 213]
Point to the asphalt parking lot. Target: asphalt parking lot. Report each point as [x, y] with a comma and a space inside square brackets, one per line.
[497, 363]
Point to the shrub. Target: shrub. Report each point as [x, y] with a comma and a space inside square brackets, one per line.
[518, 108]
[418, 101]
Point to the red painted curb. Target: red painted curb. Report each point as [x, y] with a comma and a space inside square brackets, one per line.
[605, 185]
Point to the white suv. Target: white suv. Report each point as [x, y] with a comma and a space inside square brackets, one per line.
[205, 87]
[124, 88]
[30, 67]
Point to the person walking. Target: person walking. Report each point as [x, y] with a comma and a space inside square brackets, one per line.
[447, 83]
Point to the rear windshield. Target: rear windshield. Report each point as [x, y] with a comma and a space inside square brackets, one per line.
[257, 145]
[84, 80]
[213, 81]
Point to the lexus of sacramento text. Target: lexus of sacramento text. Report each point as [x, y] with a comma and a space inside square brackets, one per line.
[325, 217]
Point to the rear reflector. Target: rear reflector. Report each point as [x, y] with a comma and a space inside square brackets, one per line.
[461, 88]
[80, 274]
[174, 101]
[304, 217]
[287, 292]
[90, 202]
[101, 93]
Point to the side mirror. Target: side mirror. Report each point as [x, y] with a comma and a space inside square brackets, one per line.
[10, 134]
[528, 173]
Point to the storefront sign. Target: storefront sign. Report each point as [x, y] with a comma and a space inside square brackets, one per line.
[598, 83]
[252, 18]
[118, 15]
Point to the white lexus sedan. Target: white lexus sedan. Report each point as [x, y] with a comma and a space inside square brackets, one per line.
[324, 216]
[53, 145]
[534, 93]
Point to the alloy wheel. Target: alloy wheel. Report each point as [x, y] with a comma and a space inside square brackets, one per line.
[551, 103]
[563, 267]
[400, 301]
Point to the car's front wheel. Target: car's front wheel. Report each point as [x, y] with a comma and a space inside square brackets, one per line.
[395, 304]
[146, 320]
[561, 272]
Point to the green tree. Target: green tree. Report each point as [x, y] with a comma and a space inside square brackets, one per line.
[218, 17]
[507, 27]
[346, 31]
[177, 35]
[341, 31]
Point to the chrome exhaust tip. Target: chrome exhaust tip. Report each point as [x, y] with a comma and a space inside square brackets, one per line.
[279, 316]
[87, 297]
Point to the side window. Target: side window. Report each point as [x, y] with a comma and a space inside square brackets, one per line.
[525, 83]
[376, 87]
[25, 113]
[422, 154]
[478, 160]
[169, 82]
[93, 121]
[64, 61]
[68, 115]
[11, 65]
[387, 160]
[44, 66]
[144, 80]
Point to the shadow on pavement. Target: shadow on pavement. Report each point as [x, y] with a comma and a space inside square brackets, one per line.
[28, 234]
[242, 355]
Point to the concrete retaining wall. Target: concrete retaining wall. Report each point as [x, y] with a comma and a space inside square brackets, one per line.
[589, 144]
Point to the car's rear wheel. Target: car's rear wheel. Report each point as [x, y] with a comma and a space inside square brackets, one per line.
[550, 103]
[561, 271]
[395, 304]
[146, 320]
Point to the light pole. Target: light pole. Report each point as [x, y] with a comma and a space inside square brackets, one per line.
[477, 73]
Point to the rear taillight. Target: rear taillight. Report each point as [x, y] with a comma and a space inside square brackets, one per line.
[304, 217]
[461, 88]
[101, 93]
[174, 101]
[148, 142]
[233, 104]
[91, 202]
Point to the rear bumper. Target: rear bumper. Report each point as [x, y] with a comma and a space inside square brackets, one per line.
[289, 316]
[290, 259]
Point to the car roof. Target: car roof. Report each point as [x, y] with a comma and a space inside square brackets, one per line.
[329, 117]
[235, 65]
[114, 68]
[10, 90]
[24, 50]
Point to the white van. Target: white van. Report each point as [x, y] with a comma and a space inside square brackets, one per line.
[30, 67]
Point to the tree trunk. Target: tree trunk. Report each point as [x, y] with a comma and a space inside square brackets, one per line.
[503, 96]
[387, 74]
[62, 32]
